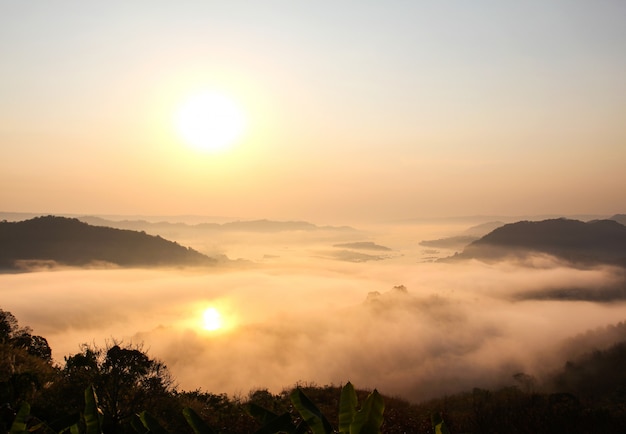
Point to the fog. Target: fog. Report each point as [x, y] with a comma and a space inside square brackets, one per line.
[303, 307]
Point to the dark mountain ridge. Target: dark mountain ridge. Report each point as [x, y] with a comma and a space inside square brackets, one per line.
[69, 241]
[595, 242]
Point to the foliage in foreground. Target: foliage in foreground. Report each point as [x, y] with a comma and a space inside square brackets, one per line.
[120, 389]
[352, 420]
[366, 420]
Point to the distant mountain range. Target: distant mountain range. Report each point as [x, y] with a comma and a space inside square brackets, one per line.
[177, 227]
[185, 231]
[456, 242]
[68, 241]
[262, 225]
[460, 241]
[363, 245]
[574, 241]
[359, 251]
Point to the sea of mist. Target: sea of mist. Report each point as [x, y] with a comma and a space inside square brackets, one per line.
[299, 309]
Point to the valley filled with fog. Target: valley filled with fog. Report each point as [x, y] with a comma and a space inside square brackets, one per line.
[327, 305]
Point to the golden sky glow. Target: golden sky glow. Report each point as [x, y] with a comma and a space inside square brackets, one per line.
[370, 111]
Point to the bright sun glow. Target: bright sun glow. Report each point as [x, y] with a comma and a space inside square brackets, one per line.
[210, 121]
[212, 320]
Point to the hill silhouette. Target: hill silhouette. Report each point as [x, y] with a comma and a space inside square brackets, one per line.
[574, 241]
[69, 241]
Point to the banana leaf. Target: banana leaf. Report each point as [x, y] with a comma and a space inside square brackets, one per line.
[312, 416]
[369, 418]
[196, 423]
[21, 419]
[347, 408]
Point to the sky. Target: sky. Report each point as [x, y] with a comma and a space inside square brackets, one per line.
[353, 110]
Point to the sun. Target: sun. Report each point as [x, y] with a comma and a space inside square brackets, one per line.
[211, 319]
[210, 121]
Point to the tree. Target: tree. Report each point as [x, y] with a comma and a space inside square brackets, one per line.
[16, 337]
[34, 345]
[25, 366]
[126, 380]
[8, 326]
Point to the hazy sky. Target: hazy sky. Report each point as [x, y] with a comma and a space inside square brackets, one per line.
[353, 109]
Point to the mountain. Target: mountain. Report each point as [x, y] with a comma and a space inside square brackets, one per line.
[595, 242]
[184, 230]
[69, 241]
[483, 228]
[363, 245]
[459, 241]
[456, 242]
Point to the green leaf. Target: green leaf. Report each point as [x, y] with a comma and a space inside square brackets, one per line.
[151, 423]
[369, 418]
[21, 418]
[347, 407]
[438, 424]
[312, 416]
[92, 412]
[196, 423]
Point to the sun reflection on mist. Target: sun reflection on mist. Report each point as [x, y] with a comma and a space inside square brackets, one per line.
[211, 319]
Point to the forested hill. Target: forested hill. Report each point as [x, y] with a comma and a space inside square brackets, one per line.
[69, 241]
[595, 242]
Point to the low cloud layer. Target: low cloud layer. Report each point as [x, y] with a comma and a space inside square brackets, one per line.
[412, 329]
